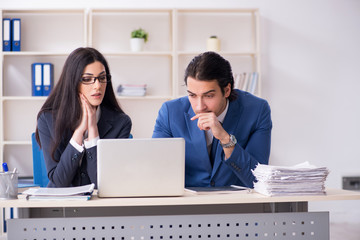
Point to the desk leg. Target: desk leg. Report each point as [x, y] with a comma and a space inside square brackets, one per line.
[286, 207]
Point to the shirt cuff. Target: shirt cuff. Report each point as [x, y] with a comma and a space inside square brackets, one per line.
[76, 145]
[91, 143]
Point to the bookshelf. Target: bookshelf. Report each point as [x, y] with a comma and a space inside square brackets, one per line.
[175, 37]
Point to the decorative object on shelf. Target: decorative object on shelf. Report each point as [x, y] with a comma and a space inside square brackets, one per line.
[131, 90]
[138, 38]
[213, 44]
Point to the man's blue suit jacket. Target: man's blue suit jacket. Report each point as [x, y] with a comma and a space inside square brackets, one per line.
[248, 119]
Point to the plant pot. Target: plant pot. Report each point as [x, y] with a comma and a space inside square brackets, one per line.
[213, 44]
[137, 44]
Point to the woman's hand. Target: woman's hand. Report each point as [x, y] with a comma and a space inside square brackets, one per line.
[91, 118]
[88, 121]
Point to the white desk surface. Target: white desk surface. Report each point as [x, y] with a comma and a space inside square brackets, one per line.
[188, 199]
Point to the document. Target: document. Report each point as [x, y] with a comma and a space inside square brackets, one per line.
[69, 193]
[301, 179]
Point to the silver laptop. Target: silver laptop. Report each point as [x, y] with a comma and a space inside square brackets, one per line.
[141, 167]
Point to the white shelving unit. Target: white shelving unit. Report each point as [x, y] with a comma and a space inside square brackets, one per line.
[175, 37]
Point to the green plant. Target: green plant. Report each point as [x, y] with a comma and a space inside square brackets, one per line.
[139, 33]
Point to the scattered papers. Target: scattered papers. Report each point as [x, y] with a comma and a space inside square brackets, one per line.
[132, 90]
[301, 179]
[68, 193]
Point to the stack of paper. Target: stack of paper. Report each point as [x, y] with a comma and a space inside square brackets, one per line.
[302, 179]
[69, 193]
[132, 90]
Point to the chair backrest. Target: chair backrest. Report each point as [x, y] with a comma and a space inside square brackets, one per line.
[39, 168]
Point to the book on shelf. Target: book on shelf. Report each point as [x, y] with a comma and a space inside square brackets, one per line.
[131, 90]
[67, 193]
[253, 82]
[246, 81]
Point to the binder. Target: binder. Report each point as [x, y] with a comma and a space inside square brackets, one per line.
[6, 34]
[37, 75]
[16, 34]
[48, 78]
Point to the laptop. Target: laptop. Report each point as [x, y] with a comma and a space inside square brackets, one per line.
[141, 167]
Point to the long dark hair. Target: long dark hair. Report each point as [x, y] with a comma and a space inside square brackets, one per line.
[209, 66]
[64, 101]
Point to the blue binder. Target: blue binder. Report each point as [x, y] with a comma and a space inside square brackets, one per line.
[16, 34]
[6, 34]
[48, 78]
[37, 79]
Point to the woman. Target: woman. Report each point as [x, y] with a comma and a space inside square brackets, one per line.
[80, 109]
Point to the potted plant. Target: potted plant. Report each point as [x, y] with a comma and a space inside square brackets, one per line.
[138, 38]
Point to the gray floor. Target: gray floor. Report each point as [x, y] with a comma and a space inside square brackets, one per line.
[344, 231]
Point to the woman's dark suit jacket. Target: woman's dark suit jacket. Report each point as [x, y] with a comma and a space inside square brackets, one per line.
[67, 170]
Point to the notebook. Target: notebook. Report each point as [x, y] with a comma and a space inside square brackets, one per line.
[141, 167]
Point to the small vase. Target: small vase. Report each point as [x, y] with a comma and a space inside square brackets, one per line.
[213, 44]
[137, 44]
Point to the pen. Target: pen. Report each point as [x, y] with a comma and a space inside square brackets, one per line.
[12, 175]
[5, 167]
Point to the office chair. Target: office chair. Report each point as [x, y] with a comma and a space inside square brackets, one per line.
[39, 168]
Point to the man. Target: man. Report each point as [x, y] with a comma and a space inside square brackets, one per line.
[227, 132]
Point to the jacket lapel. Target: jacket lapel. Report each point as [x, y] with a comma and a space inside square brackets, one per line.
[197, 139]
[104, 126]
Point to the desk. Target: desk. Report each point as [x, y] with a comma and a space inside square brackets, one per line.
[223, 216]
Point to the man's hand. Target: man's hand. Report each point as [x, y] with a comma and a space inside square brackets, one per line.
[207, 121]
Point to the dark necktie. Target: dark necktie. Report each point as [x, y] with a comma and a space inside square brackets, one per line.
[213, 151]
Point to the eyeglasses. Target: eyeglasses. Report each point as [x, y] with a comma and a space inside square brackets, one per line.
[87, 80]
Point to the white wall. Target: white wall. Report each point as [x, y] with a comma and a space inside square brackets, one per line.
[310, 64]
